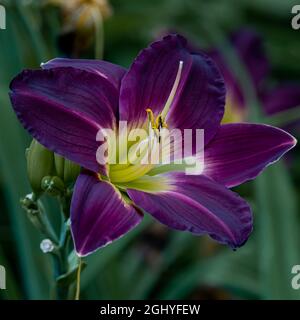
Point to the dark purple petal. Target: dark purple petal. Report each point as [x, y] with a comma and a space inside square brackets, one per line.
[201, 206]
[234, 90]
[99, 215]
[199, 100]
[63, 109]
[239, 152]
[249, 48]
[111, 72]
[282, 98]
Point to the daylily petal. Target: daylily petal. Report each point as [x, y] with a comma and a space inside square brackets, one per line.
[111, 72]
[200, 96]
[234, 92]
[282, 98]
[63, 109]
[99, 215]
[249, 48]
[201, 206]
[240, 151]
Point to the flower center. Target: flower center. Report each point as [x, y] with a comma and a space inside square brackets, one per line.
[129, 172]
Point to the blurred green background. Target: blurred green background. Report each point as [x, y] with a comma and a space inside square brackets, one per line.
[152, 261]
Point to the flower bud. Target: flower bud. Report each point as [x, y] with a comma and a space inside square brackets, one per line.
[54, 186]
[29, 203]
[37, 215]
[66, 170]
[40, 163]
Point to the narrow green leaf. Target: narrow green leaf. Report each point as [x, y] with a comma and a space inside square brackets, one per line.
[277, 221]
[231, 269]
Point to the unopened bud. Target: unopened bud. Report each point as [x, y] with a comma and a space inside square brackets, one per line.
[40, 163]
[54, 186]
[67, 170]
[29, 203]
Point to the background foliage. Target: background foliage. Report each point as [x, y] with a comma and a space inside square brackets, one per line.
[153, 262]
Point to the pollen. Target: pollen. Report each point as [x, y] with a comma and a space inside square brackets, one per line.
[156, 124]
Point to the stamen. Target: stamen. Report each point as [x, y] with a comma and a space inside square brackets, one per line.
[155, 124]
[160, 123]
[172, 93]
[151, 118]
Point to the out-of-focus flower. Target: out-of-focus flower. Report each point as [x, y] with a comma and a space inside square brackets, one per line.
[82, 25]
[66, 104]
[249, 48]
[81, 14]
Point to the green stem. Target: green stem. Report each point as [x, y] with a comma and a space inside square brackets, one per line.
[60, 253]
[45, 225]
[77, 296]
[65, 201]
[61, 264]
[30, 25]
[99, 34]
[60, 267]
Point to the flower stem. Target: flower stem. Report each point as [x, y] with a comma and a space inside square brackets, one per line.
[60, 267]
[99, 34]
[77, 296]
[61, 247]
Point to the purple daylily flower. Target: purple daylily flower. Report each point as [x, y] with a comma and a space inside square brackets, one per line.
[64, 105]
[249, 47]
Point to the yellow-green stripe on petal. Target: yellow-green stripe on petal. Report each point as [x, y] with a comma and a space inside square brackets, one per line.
[130, 173]
[150, 184]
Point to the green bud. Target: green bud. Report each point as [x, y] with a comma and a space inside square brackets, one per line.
[54, 186]
[67, 170]
[40, 163]
[37, 215]
[29, 203]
